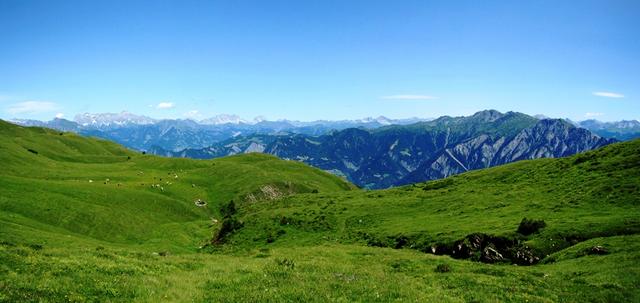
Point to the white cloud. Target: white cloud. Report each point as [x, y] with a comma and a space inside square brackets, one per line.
[59, 115]
[32, 107]
[608, 94]
[409, 97]
[593, 115]
[165, 105]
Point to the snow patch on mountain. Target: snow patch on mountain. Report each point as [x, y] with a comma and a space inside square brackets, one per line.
[112, 119]
[223, 119]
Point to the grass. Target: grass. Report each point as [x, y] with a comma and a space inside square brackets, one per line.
[596, 197]
[306, 235]
[97, 189]
[320, 273]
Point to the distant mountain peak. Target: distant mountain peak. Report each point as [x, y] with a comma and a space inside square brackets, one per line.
[223, 119]
[259, 119]
[557, 122]
[111, 119]
[382, 120]
[623, 124]
[621, 130]
[488, 115]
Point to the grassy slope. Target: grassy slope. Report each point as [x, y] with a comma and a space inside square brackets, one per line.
[581, 197]
[65, 239]
[320, 273]
[51, 190]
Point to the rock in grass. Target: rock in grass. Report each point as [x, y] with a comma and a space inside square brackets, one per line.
[491, 255]
[598, 250]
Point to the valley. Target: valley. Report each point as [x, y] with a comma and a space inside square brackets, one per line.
[88, 220]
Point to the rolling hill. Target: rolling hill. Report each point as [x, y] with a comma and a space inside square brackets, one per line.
[88, 220]
[98, 189]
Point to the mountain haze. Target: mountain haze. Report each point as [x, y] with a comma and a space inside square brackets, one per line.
[620, 130]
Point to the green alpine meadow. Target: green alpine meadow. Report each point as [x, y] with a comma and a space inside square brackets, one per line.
[86, 220]
[319, 151]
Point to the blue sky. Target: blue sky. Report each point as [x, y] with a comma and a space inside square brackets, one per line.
[310, 60]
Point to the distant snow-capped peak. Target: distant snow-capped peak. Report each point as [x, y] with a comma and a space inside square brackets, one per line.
[380, 120]
[623, 124]
[124, 118]
[627, 124]
[223, 119]
[259, 119]
[110, 119]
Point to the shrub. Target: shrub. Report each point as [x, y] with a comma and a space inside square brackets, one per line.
[528, 226]
[583, 158]
[228, 225]
[284, 220]
[286, 263]
[36, 246]
[439, 184]
[274, 235]
[7, 243]
[442, 268]
[228, 210]
[400, 241]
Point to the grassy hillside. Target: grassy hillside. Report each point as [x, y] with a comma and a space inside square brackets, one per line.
[68, 234]
[97, 189]
[589, 195]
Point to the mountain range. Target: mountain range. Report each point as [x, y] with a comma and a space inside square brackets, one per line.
[397, 155]
[371, 152]
[142, 133]
[620, 130]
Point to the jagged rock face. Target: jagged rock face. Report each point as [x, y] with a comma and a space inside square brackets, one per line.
[546, 139]
[550, 138]
[399, 155]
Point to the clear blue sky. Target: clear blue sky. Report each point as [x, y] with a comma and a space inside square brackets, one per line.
[311, 60]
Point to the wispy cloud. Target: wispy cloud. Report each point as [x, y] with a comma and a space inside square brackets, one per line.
[32, 107]
[409, 97]
[59, 115]
[608, 94]
[165, 105]
[593, 115]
